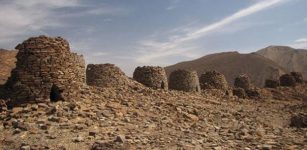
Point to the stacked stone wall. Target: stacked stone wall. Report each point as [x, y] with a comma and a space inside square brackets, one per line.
[184, 80]
[43, 62]
[243, 81]
[154, 77]
[213, 80]
[105, 75]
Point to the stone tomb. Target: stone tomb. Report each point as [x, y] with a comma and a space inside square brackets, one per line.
[184, 80]
[154, 77]
[105, 75]
[45, 64]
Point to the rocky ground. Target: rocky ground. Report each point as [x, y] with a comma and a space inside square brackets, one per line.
[140, 118]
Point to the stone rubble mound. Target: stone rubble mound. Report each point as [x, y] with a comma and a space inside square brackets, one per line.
[287, 80]
[271, 83]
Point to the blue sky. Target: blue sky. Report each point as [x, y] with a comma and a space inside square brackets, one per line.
[131, 33]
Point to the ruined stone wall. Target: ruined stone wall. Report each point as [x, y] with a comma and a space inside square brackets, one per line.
[184, 80]
[287, 80]
[213, 80]
[243, 81]
[154, 77]
[270, 83]
[41, 63]
[105, 75]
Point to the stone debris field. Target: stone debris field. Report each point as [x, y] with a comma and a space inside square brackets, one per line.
[52, 101]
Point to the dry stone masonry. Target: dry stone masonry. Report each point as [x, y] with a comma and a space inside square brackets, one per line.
[239, 92]
[154, 77]
[287, 80]
[42, 63]
[184, 80]
[271, 83]
[105, 75]
[213, 80]
[245, 89]
[243, 81]
[298, 76]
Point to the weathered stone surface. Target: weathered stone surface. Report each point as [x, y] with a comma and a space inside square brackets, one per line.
[239, 92]
[254, 93]
[41, 63]
[154, 77]
[270, 83]
[105, 75]
[299, 121]
[287, 80]
[3, 106]
[243, 81]
[108, 146]
[184, 80]
[213, 80]
[298, 76]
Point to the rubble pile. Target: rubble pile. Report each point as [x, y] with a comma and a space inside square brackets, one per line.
[184, 80]
[154, 77]
[245, 89]
[43, 62]
[143, 118]
[298, 76]
[239, 92]
[270, 83]
[287, 80]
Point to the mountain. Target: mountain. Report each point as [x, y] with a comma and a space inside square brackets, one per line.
[232, 64]
[7, 63]
[287, 57]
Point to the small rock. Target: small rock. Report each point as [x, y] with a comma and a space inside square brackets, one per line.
[191, 117]
[217, 148]
[266, 147]
[78, 139]
[120, 139]
[54, 119]
[43, 126]
[92, 133]
[25, 147]
[16, 131]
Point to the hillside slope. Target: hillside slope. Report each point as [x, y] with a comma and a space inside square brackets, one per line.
[287, 57]
[7, 63]
[232, 64]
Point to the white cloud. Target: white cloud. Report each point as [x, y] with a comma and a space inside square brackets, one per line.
[155, 50]
[20, 18]
[301, 40]
[305, 19]
[299, 43]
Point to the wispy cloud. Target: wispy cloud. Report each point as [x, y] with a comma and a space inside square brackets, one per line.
[173, 4]
[21, 18]
[301, 40]
[299, 43]
[177, 46]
